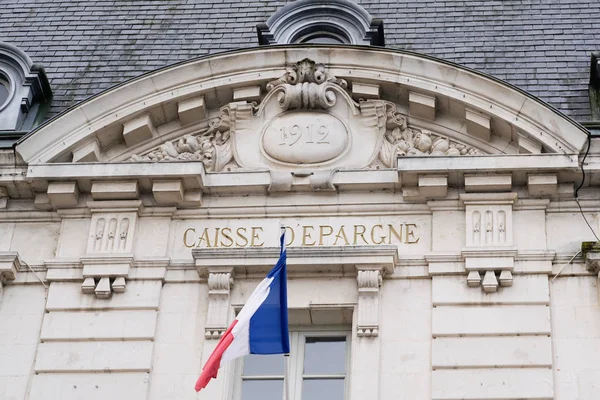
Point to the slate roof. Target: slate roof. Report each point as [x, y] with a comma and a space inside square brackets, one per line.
[86, 46]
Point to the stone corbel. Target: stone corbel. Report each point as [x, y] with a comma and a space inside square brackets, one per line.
[489, 268]
[369, 284]
[10, 263]
[220, 281]
[106, 275]
[591, 255]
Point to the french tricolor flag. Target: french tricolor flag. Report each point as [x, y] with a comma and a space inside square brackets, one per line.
[261, 327]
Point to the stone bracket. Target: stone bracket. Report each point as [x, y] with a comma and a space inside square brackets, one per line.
[489, 268]
[369, 281]
[591, 255]
[10, 263]
[220, 281]
[105, 274]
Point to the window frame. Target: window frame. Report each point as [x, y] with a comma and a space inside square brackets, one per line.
[298, 337]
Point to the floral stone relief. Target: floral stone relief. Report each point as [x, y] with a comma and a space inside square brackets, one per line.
[306, 86]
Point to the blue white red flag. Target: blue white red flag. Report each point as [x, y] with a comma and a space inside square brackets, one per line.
[261, 327]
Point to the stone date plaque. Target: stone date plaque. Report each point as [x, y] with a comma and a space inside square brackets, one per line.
[305, 138]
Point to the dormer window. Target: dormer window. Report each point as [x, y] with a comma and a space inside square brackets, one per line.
[323, 22]
[24, 91]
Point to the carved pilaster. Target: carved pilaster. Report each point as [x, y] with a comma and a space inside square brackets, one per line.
[369, 282]
[489, 255]
[219, 289]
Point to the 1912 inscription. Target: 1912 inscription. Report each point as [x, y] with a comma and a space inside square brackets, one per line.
[305, 138]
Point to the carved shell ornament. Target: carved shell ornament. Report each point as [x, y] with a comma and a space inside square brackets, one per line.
[307, 85]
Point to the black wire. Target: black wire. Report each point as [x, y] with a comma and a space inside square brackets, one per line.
[589, 143]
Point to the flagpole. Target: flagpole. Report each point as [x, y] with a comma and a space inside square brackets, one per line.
[286, 357]
[286, 380]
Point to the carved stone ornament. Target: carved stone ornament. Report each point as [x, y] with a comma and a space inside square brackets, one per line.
[212, 146]
[306, 121]
[219, 286]
[307, 85]
[369, 281]
[400, 140]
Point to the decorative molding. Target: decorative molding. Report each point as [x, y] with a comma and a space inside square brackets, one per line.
[337, 260]
[489, 255]
[220, 281]
[275, 135]
[109, 257]
[369, 281]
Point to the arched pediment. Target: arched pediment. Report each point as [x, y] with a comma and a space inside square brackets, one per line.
[304, 109]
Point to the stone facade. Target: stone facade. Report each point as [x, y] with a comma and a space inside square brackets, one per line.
[430, 211]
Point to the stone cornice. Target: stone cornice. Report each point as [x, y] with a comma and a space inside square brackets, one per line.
[344, 259]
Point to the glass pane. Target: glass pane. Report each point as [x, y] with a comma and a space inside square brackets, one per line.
[323, 39]
[3, 92]
[255, 364]
[323, 389]
[325, 355]
[262, 390]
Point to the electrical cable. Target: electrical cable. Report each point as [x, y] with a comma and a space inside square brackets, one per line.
[564, 266]
[36, 275]
[589, 144]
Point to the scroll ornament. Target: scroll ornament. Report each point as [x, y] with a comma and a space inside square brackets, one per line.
[307, 85]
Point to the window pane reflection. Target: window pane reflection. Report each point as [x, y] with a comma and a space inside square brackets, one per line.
[263, 365]
[323, 389]
[325, 356]
[262, 390]
[3, 91]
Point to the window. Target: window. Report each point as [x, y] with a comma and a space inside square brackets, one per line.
[322, 22]
[318, 368]
[24, 93]
[4, 90]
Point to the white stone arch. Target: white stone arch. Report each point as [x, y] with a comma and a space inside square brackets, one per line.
[453, 101]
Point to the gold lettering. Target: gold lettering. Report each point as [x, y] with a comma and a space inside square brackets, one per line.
[255, 230]
[204, 237]
[226, 233]
[341, 234]
[185, 238]
[361, 233]
[409, 233]
[306, 235]
[241, 236]
[291, 237]
[381, 235]
[216, 242]
[397, 233]
[322, 233]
